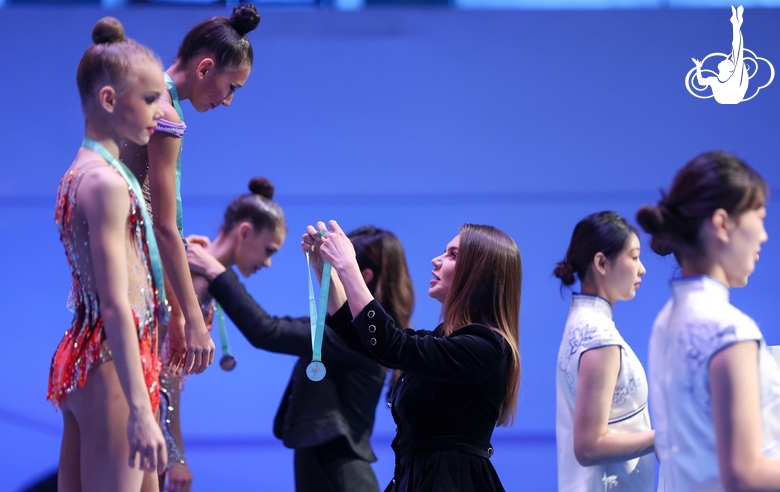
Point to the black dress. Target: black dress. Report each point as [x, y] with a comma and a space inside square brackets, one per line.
[445, 404]
[328, 423]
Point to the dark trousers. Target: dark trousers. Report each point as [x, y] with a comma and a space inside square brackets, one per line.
[333, 467]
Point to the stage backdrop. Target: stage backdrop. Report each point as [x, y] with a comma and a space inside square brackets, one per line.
[416, 120]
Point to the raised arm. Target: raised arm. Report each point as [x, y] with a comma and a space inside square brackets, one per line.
[469, 355]
[287, 334]
[735, 391]
[593, 443]
[163, 150]
[103, 198]
[336, 248]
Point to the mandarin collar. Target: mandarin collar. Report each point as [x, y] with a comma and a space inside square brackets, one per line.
[596, 302]
[699, 283]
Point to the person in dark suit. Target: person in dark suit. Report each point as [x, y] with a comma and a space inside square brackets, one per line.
[458, 380]
[328, 423]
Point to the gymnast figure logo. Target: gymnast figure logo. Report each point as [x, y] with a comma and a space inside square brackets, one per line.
[729, 85]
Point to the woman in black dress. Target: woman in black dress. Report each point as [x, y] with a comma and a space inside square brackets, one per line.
[460, 380]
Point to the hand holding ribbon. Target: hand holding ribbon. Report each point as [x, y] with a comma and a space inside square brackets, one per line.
[316, 370]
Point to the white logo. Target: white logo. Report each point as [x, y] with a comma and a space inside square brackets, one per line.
[729, 84]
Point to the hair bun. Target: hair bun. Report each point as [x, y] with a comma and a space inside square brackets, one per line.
[261, 186]
[244, 18]
[108, 30]
[564, 271]
[651, 219]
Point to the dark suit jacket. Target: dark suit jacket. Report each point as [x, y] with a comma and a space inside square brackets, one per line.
[311, 413]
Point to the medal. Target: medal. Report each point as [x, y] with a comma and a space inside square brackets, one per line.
[316, 370]
[227, 362]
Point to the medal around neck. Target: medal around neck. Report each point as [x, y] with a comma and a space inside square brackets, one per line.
[316, 370]
[163, 310]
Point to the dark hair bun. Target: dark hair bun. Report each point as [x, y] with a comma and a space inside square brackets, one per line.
[564, 271]
[244, 18]
[261, 186]
[651, 219]
[108, 30]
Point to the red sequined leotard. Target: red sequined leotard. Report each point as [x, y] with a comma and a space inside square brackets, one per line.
[84, 345]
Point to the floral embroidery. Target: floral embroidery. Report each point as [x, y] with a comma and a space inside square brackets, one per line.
[698, 342]
[580, 336]
[619, 396]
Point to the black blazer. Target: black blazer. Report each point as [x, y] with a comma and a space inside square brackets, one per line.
[446, 403]
[310, 413]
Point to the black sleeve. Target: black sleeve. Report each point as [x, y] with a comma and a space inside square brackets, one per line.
[339, 322]
[469, 355]
[286, 335]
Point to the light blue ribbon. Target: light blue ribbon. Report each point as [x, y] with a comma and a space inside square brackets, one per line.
[227, 362]
[316, 370]
[177, 106]
[151, 241]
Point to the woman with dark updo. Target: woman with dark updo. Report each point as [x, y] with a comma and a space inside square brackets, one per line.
[714, 385]
[602, 422]
[213, 62]
[104, 373]
[329, 422]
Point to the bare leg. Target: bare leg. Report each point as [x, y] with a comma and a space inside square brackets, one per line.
[102, 412]
[69, 474]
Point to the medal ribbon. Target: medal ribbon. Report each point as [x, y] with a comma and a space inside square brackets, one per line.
[317, 313]
[223, 336]
[151, 241]
[177, 106]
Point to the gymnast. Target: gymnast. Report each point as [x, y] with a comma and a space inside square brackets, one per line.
[213, 62]
[104, 373]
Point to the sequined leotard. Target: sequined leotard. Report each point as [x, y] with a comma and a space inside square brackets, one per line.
[84, 345]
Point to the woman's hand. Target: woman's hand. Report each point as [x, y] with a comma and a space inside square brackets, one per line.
[310, 243]
[146, 441]
[179, 478]
[198, 239]
[335, 247]
[202, 262]
[177, 345]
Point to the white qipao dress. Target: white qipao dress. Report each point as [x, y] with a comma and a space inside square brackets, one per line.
[590, 326]
[697, 322]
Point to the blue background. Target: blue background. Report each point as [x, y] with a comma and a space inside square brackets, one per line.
[416, 120]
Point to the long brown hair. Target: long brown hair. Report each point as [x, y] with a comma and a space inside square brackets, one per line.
[381, 252]
[486, 289]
